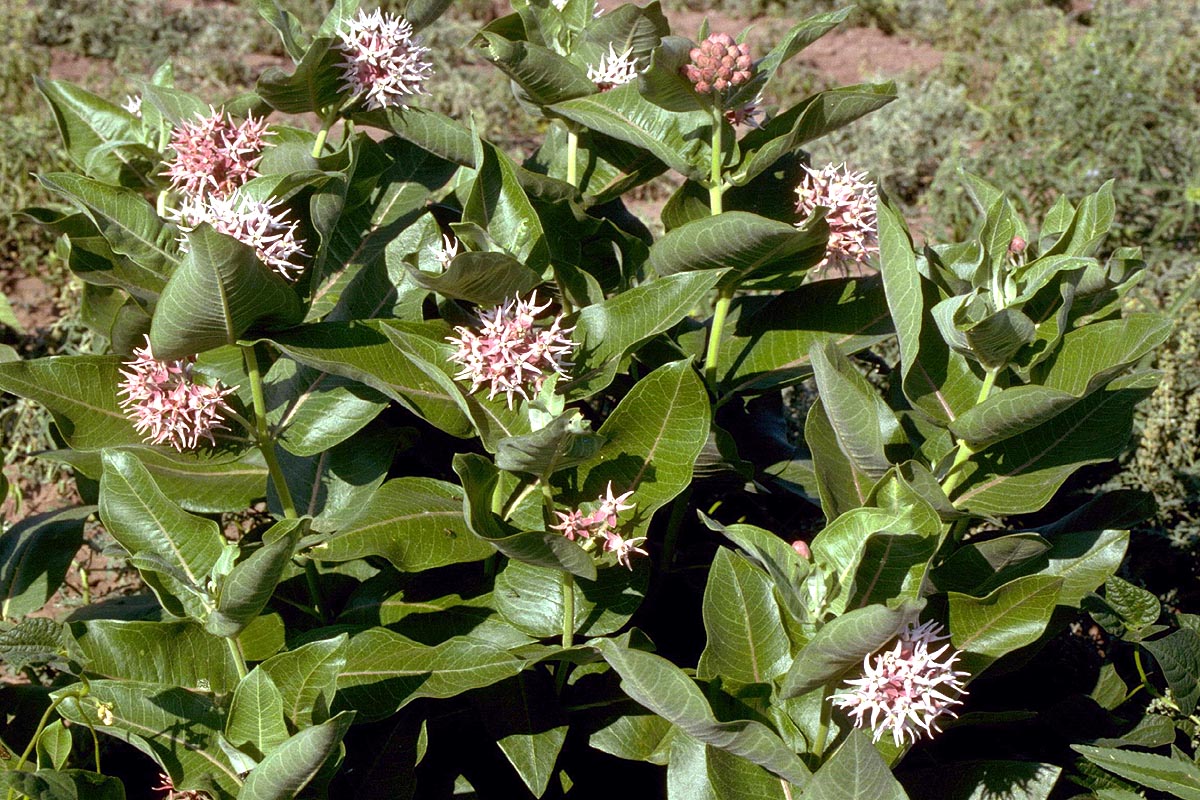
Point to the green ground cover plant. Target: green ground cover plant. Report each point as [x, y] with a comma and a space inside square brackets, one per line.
[447, 475]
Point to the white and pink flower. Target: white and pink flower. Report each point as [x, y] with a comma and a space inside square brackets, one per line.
[511, 354]
[259, 224]
[615, 69]
[851, 200]
[382, 61]
[905, 689]
[215, 155]
[603, 526]
[167, 405]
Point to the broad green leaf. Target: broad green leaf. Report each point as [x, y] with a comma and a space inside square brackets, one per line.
[801, 35]
[810, 119]
[129, 225]
[607, 331]
[37, 641]
[316, 410]
[435, 620]
[7, 317]
[651, 440]
[635, 737]
[313, 85]
[746, 638]
[88, 124]
[855, 771]
[769, 342]
[687, 770]
[1087, 358]
[1137, 607]
[54, 745]
[360, 351]
[415, 523]
[204, 481]
[256, 713]
[175, 106]
[549, 549]
[1020, 474]
[771, 553]
[842, 643]
[1174, 776]
[35, 554]
[1088, 226]
[564, 443]
[307, 678]
[143, 520]
[662, 687]
[219, 292]
[1178, 654]
[544, 77]
[385, 671]
[862, 422]
[936, 380]
[430, 130]
[747, 245]
[522, 715]
[290, 31]
[421, 13]
[1011, 617]
[244, 592]
[262, 638]
[531, 598]
[289, 768]
[678, 140]
[178, 653]
[734, 778]
[980, 780]
[498, 204]
[977, 568]
[178, 728]
[70, 784]
[488, 279]
[842, 486]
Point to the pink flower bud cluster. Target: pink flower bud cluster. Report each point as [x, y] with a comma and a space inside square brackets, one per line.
[510, 353]
[214, 155]
[851, 200]
[601, 526]
[905, 689]
[382, 60]
[252, 222]
[718, 64]
[165, 403]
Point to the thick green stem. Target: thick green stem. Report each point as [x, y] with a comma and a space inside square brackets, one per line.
[572, 154]
[567, 581]
[716, 186]
[823, 724]
[326, 124]
[713, 352]
[37, 734]
[955, 475]
[266, 442]
[239, 660]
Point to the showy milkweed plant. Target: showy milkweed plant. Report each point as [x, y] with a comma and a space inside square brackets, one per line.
[527, 511]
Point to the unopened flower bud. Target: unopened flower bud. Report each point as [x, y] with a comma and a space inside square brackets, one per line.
[801, 548]
[1017, 245]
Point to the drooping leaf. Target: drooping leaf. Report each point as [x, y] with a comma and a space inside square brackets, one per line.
[746, 638]
[1174, 776]
[307, 678]
[1012, 616]
[35, 554]
[256, 713]
[523, 716]
[842, 643]
[289, 768]
[531, 598]
[70, 784]
[564, 443]
[244, 592]
[855, 770]
[313, 85]
[1178, 654]
[176, 653]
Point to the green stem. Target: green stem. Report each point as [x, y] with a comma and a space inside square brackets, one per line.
[37, 734]
[239, 660]
[572, 153]
[713, 351]
[674, 524]
[955, 475]
[326, 123]
[266, 442]
[1137, 660]
[715, 186]
[567, 581]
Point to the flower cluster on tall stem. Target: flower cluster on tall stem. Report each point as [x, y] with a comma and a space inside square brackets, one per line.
[905, 689]
[167, 405]
[382, 61]
[602, 525]
[258, 224]
[718, 64]
[851, 200]
[215, 155]
[511, 354]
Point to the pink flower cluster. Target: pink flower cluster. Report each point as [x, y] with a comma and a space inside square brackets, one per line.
[601, 526]
[719, 63]
[165, 403]
[166, 785]
[214, 155]
[381, 60]
[905, 689]
[251, 222]
[511, 354]
[851, 200]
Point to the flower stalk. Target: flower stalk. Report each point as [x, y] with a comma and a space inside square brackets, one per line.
[955, 476]
[716, 190]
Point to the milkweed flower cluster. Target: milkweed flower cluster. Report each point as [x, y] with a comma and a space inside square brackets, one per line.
[215, 155]
[615, 69]
[718, 64]
[905, 689]
[256, 223]
[602, 525]
[511, 354]
[851, 200]
[382, 60]
[166, 404]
